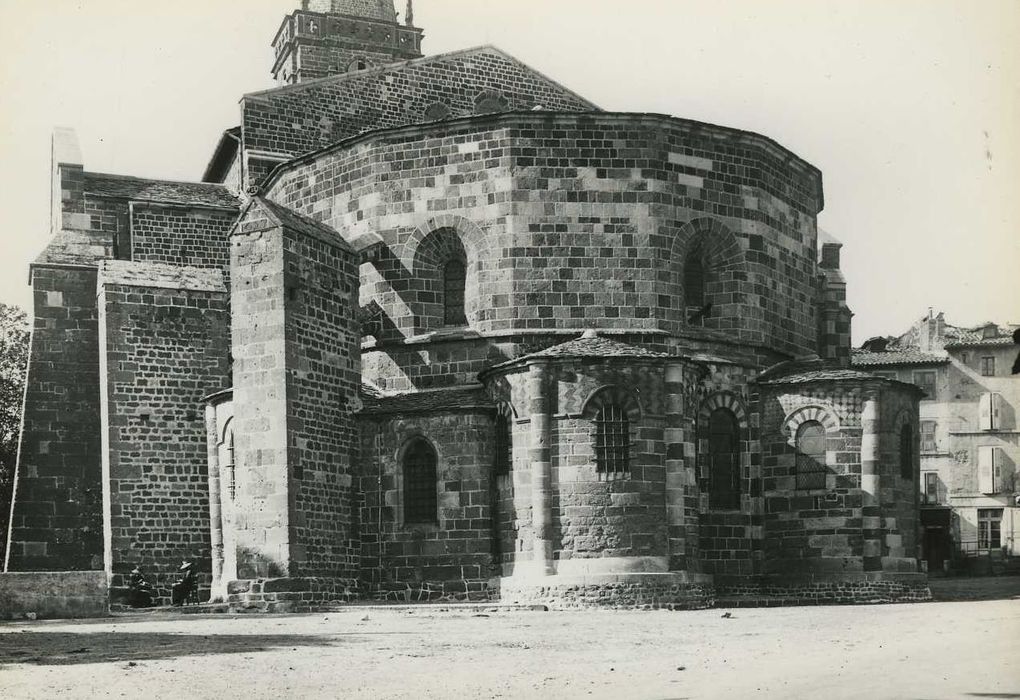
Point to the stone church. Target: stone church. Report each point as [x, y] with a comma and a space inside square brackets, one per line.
[439, 328]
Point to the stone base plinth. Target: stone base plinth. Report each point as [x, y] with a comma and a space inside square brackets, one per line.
[822, 589]
[290, 594]
[54, 594]
[671, 590]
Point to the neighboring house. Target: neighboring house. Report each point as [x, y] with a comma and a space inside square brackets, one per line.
[969, 433]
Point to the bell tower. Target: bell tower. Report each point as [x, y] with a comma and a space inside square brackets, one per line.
[328, 37]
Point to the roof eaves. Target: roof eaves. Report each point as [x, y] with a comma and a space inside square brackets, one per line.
[371, 134]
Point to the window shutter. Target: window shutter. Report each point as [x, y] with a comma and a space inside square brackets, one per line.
[985, 413]
[987, 470]
[995, 402]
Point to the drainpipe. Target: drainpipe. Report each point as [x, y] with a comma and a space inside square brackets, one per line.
[539, 453]
[871, 487]
[215, 504]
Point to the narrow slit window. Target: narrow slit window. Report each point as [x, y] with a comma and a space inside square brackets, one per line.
[723, 460]
[694, 285]
[454, 281]
[811, 468]
[504, 446]
[612, 440]
[420, 497]
[229, 466]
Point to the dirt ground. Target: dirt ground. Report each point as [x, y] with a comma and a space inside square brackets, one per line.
[967, 648]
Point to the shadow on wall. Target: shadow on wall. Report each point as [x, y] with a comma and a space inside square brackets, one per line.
[253, 564]
[72, 648]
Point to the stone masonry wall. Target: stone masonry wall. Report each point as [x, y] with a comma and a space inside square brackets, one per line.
[730, 540]
[181, 235]
[56, 522]
[596, 516]
[54, 595]
[455, 555]
[261, 505]
[900, 495]
[296, 381]
[812, 530]
[573, 221]
[165, 333]
[323, 380]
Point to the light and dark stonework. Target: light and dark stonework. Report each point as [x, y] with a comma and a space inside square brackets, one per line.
[438, 328]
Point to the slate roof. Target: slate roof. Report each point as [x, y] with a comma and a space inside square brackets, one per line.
[896, 357]
[71, 247]
[439, 400]
[291, 219]
[140, 189]
[588, 346]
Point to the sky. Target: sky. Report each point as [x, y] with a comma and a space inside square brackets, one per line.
[910, 108]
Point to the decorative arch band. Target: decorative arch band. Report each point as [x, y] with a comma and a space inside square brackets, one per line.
[612, 394]
[722, 399]
[809, 413]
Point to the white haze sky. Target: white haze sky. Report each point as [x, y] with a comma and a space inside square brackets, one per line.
[911, 109]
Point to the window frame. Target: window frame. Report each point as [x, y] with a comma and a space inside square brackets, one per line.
[413, 491]
[727, 498]
[931, 488]
[988, 365]
[503, 444]
[990, 537]
[806, 479]
[612, 440]
[914, 377]
[454, 311]
[931, 435]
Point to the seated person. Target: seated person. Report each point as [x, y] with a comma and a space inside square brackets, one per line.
[187, 587]
[139, 590]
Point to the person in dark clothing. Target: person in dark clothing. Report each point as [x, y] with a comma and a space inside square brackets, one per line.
[184, 589]
[139, 590]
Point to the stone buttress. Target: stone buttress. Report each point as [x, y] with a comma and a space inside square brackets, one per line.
[296, 378]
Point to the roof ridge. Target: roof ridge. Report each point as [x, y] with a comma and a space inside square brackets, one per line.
[384, 68]
[118, 176]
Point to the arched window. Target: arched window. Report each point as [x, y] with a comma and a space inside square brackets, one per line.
[420, 500]
[906, 451]
[723, 460]
[694, 284]
[504, 443]
[454, 279]
[357, 64]
[811, 469]
[612, 440]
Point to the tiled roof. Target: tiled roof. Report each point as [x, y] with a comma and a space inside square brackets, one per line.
[978, 341]
[862, 358]
[458, 399]
[139, 189]
[820, 375]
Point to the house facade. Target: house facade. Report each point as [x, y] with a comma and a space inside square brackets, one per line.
[969, 434]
